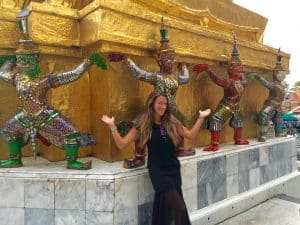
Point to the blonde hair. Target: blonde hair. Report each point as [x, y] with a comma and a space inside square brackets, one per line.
[144, 126]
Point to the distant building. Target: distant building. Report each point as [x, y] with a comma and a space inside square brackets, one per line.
[296, 111]
[292, 100]
[294, 97]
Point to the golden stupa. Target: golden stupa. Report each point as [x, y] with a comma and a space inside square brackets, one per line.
[66, 31]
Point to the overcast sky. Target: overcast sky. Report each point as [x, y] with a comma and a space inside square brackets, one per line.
[283, 29]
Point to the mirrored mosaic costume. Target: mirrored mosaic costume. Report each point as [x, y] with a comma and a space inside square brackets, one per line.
[271, 110]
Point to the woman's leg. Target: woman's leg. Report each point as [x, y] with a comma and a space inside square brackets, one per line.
[175, 202]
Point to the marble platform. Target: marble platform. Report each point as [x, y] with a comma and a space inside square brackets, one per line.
[43, 192]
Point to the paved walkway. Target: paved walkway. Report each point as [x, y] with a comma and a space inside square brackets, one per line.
[282, 210]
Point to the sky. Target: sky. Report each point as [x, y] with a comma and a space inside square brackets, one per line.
[282, 29]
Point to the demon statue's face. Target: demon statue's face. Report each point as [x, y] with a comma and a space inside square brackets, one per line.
[280, 75]
[166, 61]
[236, 72]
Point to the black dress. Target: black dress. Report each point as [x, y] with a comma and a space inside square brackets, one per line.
[164, 171]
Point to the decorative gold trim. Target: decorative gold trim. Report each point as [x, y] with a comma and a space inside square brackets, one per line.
[204, 18]
[64, 12]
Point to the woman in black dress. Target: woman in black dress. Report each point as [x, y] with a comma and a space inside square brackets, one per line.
[160, 131]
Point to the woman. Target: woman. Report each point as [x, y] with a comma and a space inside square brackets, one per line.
[160, 131]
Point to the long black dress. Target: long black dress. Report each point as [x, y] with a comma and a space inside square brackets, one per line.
[164, 171]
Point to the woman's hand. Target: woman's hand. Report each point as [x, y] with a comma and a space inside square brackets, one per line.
[121, 142]
[191, 134]
[203, 114]
[110, 121]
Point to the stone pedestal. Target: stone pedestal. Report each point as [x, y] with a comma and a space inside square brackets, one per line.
[215, 185]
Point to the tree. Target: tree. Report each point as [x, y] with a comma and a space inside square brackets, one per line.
[296, 84]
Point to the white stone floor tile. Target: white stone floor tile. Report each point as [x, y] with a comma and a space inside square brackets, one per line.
[275, 211]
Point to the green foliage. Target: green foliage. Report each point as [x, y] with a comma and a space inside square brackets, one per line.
[297, 84]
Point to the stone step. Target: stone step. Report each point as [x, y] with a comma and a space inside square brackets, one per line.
[281, 210]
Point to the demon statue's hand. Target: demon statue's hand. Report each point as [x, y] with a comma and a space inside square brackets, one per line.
[251, 75]
[181, 66]
[11, 58]
[116, 57]
[200, 68]
[99, 61]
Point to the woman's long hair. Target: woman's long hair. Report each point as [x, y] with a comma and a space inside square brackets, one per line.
[144, 126]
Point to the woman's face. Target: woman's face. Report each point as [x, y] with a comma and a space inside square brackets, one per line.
[160, 105]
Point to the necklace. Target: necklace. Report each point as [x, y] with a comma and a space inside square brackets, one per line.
[163, 133]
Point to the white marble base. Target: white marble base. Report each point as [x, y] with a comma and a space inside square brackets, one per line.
[220, 211]
[111, 195]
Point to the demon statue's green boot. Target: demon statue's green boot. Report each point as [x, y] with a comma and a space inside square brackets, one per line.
[14, 149]
[72, 145]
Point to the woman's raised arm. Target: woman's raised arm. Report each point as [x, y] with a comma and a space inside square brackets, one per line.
[121, 142]
[191, 134]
